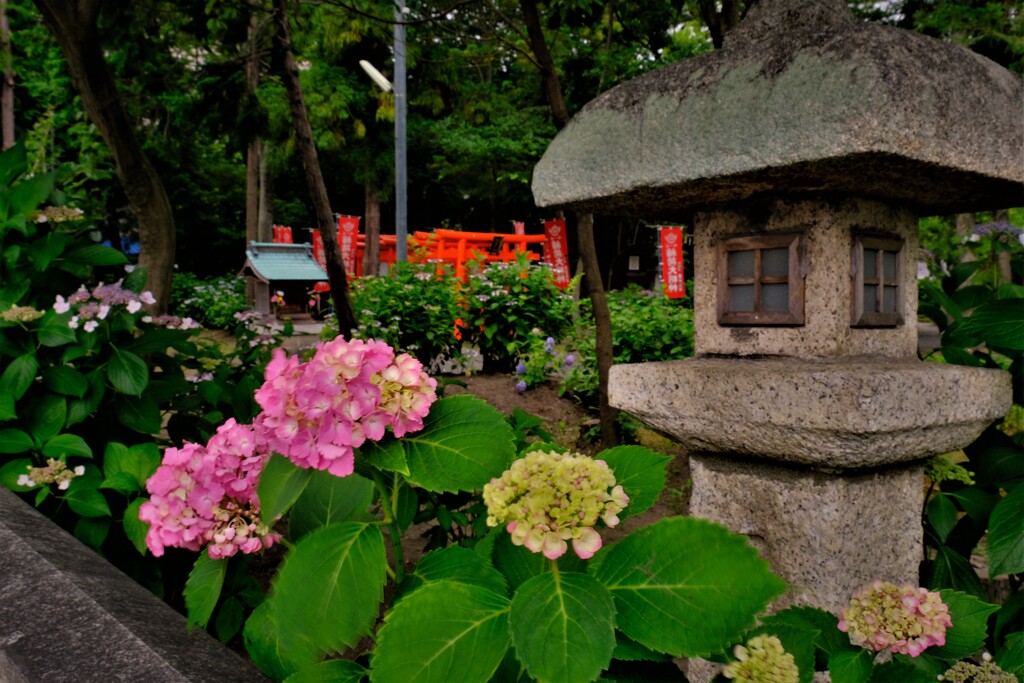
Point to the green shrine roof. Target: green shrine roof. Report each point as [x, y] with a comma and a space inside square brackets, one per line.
[271, 262]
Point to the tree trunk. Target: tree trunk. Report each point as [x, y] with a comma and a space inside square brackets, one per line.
[1003, 258]
[314, 179]
[720, 22]
[252, 157]
[73, 24]
[7, 84]
[371, 221]
[603, 324]
[265, 223]
[584, 229]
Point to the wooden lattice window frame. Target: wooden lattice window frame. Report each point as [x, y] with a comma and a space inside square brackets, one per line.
[793, 314]
[869, 309]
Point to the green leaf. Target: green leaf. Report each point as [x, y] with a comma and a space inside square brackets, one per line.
[641, 472]
[685, 585]
[87, 501]
[387, 455]
[47, 418]
[281, 484]
[29, 193]
[134, 528]
[519, 565]
[457, 564]
[92, 531]
[464, 444]
[563, 626]
[851, 666]
[19, 375]
[140, 414]
[129, 468]
[328, 499]
[998, 465]
[54, 330]
[466, 640]
[10, 471]
[1010, 657]
[997, 323]
[229, 619]
[978, 504]
[329, 588]
[62, 379]
[331, 671]
[135, 281]
[67, 444]
[1006, 535]
[7, 411]
[829, 639]
[942, 514]
[97, 255]
[950, 569]
[263, 642]
[15, 441]
[203, 587]
[970, 626]
[627, 650]
[128, 373]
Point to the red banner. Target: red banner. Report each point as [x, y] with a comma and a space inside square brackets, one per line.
[673, 277]
[556, 251]
[282, 235]
[348, 231]
[519, 227]
[318, 249]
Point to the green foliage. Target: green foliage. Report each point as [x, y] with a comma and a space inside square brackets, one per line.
[645, 327]
[505, 303]
[412, 308]
[212, 302]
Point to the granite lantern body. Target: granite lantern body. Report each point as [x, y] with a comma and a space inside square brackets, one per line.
[804, 152]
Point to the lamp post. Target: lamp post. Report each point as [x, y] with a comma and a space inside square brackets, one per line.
[401, 165]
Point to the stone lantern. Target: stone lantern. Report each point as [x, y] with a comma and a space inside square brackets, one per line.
[803, 153]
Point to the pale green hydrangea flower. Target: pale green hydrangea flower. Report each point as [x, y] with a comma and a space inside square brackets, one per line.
[986, 672]
[763, 660]
[547, 499]
[21, 314]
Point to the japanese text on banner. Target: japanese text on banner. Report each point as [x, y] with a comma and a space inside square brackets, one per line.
[673, 278]
[348, 237]
[556, 251]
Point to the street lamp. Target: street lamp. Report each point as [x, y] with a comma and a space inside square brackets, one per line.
[401, 165]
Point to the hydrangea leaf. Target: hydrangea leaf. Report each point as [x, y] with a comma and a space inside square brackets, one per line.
[970, 625]
[134, 528]
[467, 637]
[1006, 535]
[63, 379]
[330, 586]
[331, 671]
[66, 444]
[685, 585]
[387, 455]
[128, 373]
[19, 375]
[328, 499]
[563, 626]
[281, 484]
[263, 642]
[141, 414]
[641, 472]
[202, 589]
[850, 666]
[1011, 655]
[519, 565]
[464, 444]
[87, 501]
[457, 564]
[628, 650]
[15, 441]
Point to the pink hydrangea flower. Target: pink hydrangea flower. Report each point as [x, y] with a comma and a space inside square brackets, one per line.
[206, 496]
[317, 413]
[905, 620]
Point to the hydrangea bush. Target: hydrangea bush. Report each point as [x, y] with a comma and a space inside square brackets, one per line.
[333, 468]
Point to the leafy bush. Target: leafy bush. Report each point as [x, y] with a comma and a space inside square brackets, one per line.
[504, 306]
[90, 382]
[212, 302]
[645, 327]
[979, 501]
